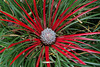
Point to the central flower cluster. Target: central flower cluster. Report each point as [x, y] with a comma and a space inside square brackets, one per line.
[48, 36]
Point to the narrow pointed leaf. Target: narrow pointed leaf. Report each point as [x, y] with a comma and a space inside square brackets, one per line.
[38, 61]
[47, 55]
[35, 44]
[75, 18]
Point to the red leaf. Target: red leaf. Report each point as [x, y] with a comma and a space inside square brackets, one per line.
[67, 8]
[82, 34]
[78, 38]
[65, 17]
[65, 54]
[82, 49]
[39, 23]
[32, 24]
[47, 55]
[36, 10]
[28, 15]
[69, 48]
[13, 44]
[71, 54]
[55, 12]
[35, 44]
[29, 52]
[72, 40]
[82, 38]
[67, 42]
[18, 22]
[38, 61]
[51, 13]
[74, 18]
[2, 50]
[44, 15]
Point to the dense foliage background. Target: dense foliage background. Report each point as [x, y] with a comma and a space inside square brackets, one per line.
[89, 22]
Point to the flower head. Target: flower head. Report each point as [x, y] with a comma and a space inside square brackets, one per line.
[46, 32]
[48, 36]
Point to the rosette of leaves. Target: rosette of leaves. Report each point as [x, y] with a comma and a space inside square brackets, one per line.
[22, 22]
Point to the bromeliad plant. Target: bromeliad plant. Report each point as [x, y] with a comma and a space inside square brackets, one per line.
[45, 34]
